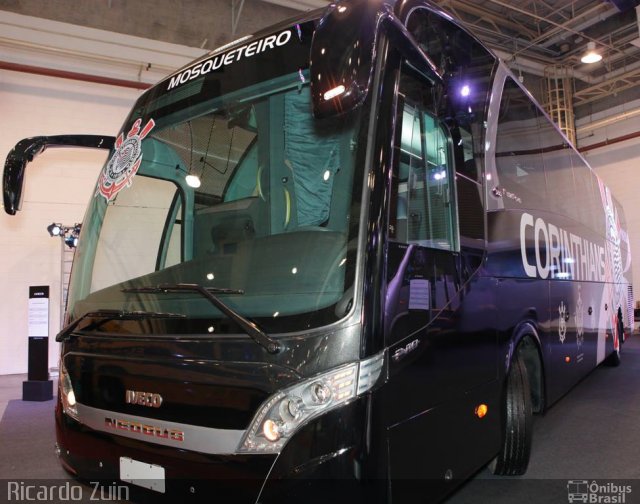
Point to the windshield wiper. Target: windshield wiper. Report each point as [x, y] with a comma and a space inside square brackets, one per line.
[251, 328]
[108, 315]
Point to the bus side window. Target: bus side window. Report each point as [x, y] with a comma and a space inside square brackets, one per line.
[582, 177]
[460, 102]
[556, 153]
[521, 175]
[423, 174]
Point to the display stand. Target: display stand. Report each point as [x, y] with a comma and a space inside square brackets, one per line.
[38, 386]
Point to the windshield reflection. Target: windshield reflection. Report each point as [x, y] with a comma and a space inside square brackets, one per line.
[253, 194]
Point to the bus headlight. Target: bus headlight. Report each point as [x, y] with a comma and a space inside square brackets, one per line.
[288, 410]
[66, 393]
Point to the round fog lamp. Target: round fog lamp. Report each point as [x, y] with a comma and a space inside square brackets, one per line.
[271, 430]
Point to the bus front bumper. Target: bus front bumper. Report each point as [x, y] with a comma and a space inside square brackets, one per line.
[321, 462]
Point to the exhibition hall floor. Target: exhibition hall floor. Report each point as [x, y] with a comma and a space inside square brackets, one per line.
[587, 442]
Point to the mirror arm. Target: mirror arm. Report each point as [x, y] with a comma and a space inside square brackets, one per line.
[27, 150]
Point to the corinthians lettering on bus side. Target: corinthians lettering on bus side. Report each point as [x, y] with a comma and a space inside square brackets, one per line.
[559, 253]
[218, 61]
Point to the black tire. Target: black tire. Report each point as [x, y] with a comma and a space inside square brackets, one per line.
[513, 458]
[614, 359]
[621, 335]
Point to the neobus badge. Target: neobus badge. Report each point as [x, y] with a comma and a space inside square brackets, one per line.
[143, 398]
[144, 429]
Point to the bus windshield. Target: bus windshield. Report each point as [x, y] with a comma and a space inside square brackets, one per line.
[243, 191]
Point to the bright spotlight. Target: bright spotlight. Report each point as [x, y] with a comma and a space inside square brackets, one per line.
[54, 229]
[193, 181]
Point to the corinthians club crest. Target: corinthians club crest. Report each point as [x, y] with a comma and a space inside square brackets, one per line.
[125, 161]
[562, 329]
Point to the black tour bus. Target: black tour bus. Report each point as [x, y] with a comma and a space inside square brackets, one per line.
[345, 258]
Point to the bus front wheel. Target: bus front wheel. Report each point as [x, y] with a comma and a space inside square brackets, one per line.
[513, 458]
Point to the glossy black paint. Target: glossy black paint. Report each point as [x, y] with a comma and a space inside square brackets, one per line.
[323, 458]
[344, 51]
[442, 365]
[209, 393]
[281, 60]
[448, 443]
[416, 432]
[251, 328]
[326, 459]
[567, 358]
[95, 456]
[303, 355]
[26, 150]
[443, 361]
[375, 442]
[337, 59]
[372, 339]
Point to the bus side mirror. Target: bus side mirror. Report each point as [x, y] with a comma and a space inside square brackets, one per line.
[343, 54]
[26, 150]
[13, 179]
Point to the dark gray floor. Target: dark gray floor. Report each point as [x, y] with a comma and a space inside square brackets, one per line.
[592, 434]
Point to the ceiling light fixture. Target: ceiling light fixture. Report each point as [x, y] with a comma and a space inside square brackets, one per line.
[193, 181]
[591, 56]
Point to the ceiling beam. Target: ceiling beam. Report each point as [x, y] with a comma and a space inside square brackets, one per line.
[301, 5]
[613, 84]
[593, 16]
[486, 14]
[546, 20]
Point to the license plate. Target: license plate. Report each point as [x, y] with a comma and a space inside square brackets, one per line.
[145, 475]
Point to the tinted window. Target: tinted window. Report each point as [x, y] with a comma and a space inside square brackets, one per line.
[460, 104]
[423, 178]
[519, 162]
[589, 211]
[467, 70]
[557, 152]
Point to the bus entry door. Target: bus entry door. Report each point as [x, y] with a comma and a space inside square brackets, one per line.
[443, 365]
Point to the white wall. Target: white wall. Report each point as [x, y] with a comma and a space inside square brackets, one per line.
[58, 186]
[60, 182]
[619, 166]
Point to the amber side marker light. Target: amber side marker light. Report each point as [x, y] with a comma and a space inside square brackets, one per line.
[481, 410]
